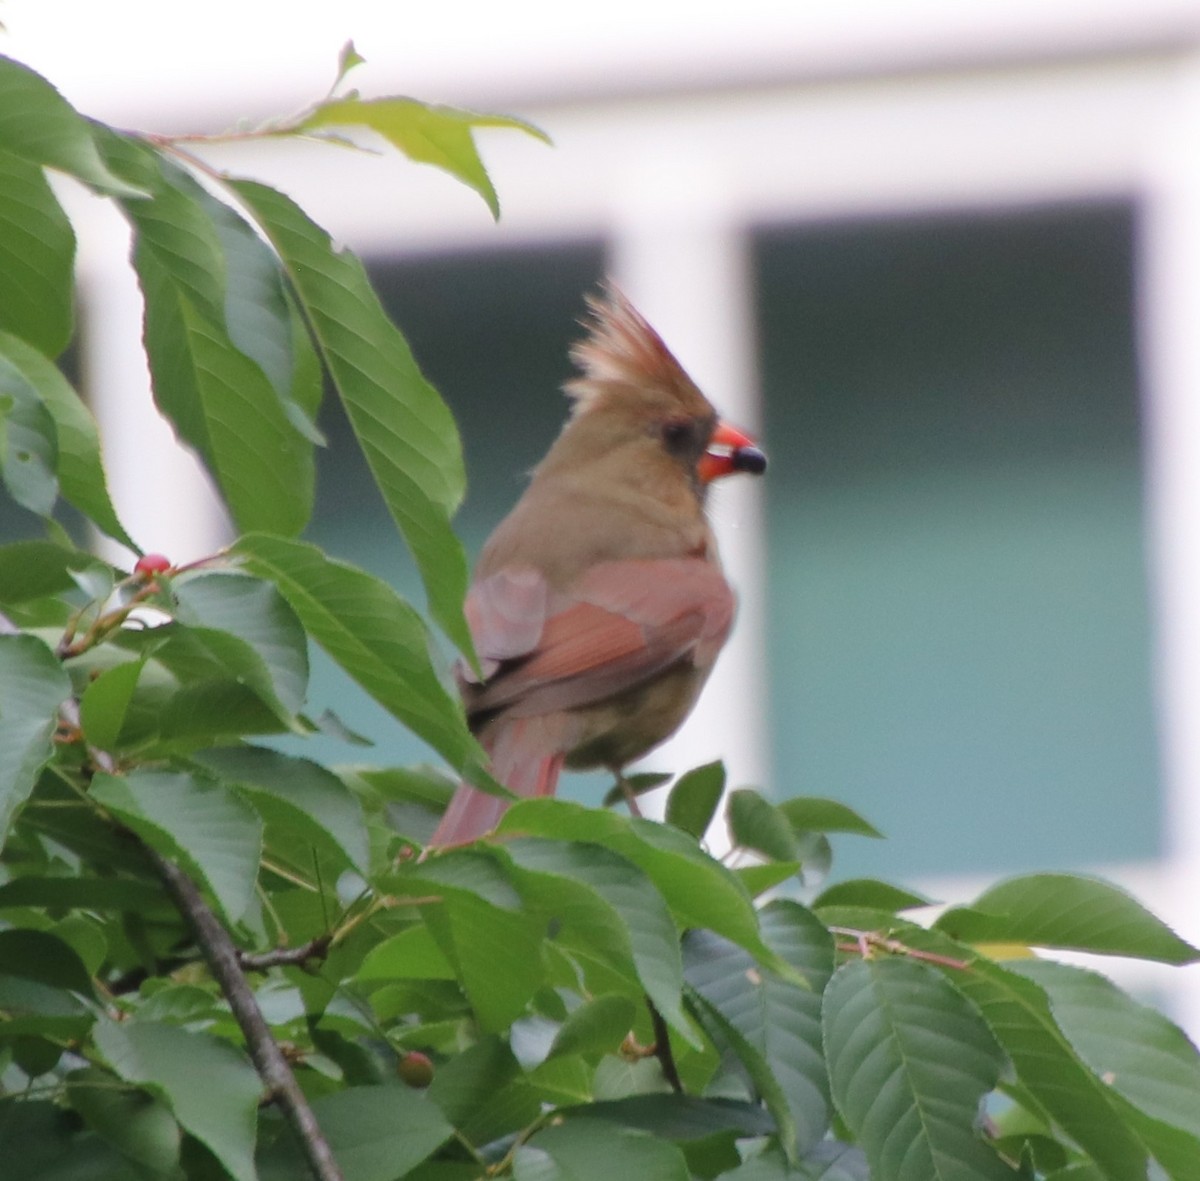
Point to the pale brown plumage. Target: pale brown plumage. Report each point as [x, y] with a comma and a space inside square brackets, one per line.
[598, 605]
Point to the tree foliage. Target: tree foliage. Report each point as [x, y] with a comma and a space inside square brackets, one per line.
[201, 936]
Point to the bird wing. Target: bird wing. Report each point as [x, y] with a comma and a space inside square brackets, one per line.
[620, 624]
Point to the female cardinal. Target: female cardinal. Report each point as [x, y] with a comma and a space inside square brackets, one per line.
[598, 606]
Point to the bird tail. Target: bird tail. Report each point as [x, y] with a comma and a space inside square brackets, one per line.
[517, 747]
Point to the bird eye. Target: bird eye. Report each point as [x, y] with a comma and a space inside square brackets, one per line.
[677, 434]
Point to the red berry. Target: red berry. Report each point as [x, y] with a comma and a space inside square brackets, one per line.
[152, 564]
[415, 1068]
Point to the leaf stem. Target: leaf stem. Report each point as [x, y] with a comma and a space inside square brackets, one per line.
[523, 1137]
[662, 1048]
[105, 623]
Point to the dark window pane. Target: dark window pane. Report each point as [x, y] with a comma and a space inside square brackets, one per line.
[957, 585]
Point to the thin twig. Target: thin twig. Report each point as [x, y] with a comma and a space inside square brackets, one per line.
[222, 958]
[662, 1048]
[314, 949]
[865, 943]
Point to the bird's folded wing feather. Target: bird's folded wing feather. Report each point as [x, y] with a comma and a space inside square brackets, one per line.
[621, 623]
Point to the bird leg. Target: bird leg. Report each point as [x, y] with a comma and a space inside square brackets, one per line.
[628, 792]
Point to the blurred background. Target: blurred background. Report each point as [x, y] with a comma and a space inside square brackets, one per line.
[945, 258]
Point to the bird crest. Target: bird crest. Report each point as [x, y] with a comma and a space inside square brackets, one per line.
[621, 349]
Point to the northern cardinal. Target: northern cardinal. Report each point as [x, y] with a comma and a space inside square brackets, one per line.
[598, 605]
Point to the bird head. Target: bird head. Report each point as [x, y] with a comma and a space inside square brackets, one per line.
[632, 393]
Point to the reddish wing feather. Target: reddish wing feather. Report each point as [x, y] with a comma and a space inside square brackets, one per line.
[506, 614]
[582, 636]
[628, 620]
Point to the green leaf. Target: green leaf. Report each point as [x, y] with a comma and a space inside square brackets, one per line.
[1136, 1051]
[37, 258]
[217, 706]
[222, 404]
[780, 1019]
[88, 936]
[211, 1089]
[371, 632]
[618, 1078]
[316, 802]
[828, 1161]
[733, 1047]
[442, 136]
[815, 855]
[219, 604]
[376, 1133]
[811, 814]
[35, 1056]
[262, 321]
[208, 828]
[869, 892]
[766, 876]
[418, 784]
[37, 569]
[496, 954]
[910, 1061]
[594, 1150]
[30, 455]
[86, 893]
[755, 823]
[348, 58]
[632, 900]
[707, 1130]
[694, 799]
[33, 686]
[132, 1121]
[493, 945]
[80, 463]
[104, 705]
[636, 785]
[582, 922]
[38, 124]
[406, 432]
[866, 918]
[464, 870]
[1018, 1014]
[1035, 1150]
[563, 1080]
[1067, 911]
[330, 725]
[482, 1093]
[412, 798]
[218, 398]
[680, 1117]
[45, 961]
[596, 1027]
[43, 1142]
[700, 891]
[180, 1004]
[413, 954]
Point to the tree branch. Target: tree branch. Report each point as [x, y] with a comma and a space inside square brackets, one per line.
[222, 958]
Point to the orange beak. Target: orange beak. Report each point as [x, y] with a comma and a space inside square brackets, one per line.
[730, 451]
